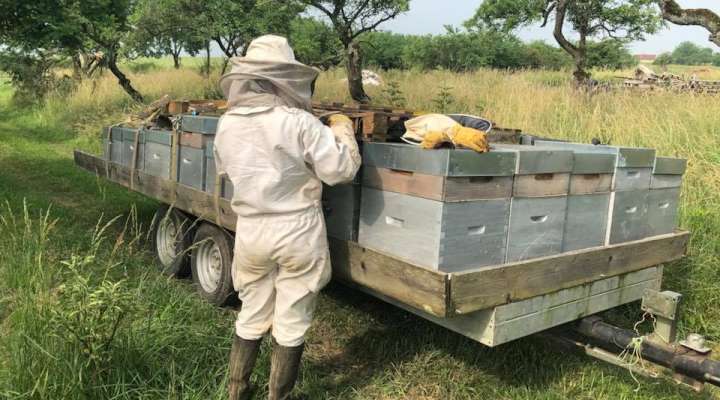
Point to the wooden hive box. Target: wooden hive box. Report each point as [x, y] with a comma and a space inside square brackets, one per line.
[663, 208]
[341, 206]
[668, 173]
[226, 187]
[120, 145]
[157, 152]
[199, 124]
[445, 210]
[539, 203]
[539, 172]
[436, 235]
[401, 169]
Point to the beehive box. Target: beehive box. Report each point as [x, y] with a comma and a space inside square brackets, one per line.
[629, 216]
[206, 125]
[539, 172]
[536, 227]
[439, 162]
[668, 173]
[120, 146]
[226, 187]
[588, 200]
[157, 152]
[341, 206]
[663, 209]
[438, 175]
[437, 235]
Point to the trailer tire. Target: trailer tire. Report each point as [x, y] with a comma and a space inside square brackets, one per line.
[211, 265]
[172, 235]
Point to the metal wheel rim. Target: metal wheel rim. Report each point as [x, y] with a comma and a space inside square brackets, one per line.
[209, 264]
[166, 239]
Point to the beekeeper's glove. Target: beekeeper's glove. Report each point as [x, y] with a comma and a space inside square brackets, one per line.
[470, 138]
[459, 136]
[339, 120]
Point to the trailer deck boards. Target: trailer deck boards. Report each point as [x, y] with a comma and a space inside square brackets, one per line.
[437, 294]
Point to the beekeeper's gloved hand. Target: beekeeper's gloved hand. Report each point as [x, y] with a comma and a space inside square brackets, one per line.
[342, 128]
[459, 136]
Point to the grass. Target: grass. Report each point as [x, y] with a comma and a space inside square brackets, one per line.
[65, 253]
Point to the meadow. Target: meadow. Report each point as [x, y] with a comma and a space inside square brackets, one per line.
[84, 314]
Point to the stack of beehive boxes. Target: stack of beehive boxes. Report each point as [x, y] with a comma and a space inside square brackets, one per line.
[453, 210]
[195, 162]
[443, 209]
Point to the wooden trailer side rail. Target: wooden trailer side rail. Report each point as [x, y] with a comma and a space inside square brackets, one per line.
[438, 294]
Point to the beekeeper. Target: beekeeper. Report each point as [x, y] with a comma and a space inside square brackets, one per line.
[277, 155]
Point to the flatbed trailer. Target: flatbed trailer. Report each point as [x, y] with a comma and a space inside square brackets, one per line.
[491, 305]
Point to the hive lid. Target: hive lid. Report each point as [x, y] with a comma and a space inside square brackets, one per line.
[439, 162]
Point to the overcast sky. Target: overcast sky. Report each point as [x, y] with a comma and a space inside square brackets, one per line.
[430, 16]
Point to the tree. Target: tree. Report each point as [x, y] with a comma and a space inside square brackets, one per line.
[614, 19]
[69, 27]
[162, 27]
[688, 53]
[663, 59]
[350, 19]
[232, 24]
[610, 54]
[315, 43]
[672, 12]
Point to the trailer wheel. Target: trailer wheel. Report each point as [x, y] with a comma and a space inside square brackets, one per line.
[171, 240]
[211, 263]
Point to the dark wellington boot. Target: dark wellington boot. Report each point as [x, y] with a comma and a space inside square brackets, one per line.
[242, 361]
[284, 369]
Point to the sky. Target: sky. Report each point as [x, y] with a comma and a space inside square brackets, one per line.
[430, 16]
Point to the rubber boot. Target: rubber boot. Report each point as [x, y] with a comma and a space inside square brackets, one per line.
[284, 368]
[242, 361]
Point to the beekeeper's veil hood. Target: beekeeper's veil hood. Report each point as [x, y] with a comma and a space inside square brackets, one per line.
[269, 75]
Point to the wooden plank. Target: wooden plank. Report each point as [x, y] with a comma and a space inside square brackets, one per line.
[490, 287]
[414, 286]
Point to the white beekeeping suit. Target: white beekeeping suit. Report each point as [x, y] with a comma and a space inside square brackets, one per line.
[277, 155]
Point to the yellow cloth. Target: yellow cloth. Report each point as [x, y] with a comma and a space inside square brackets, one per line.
[459, 136]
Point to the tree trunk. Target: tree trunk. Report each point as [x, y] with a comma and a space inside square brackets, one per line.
[77, 67]
[207, 58]
[176, 60]
[122, 79]
[578, 53]
[353, 66]
[581, 75]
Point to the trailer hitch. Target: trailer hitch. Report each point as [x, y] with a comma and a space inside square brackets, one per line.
[687, 361]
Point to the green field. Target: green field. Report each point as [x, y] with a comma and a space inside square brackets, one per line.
[64, 279]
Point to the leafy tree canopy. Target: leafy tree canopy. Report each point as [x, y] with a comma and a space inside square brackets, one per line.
[615, 19]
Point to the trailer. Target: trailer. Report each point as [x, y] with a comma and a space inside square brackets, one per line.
[493, 305]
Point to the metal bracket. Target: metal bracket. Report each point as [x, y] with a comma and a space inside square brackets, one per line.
[664, 306]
